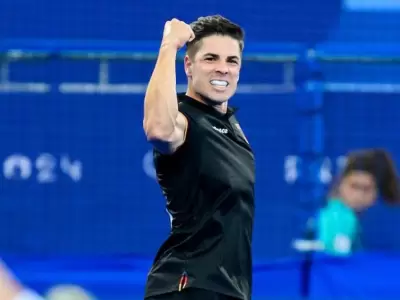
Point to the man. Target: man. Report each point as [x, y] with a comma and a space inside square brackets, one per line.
[204, 165]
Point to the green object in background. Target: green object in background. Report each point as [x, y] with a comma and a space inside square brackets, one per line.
[337, 228]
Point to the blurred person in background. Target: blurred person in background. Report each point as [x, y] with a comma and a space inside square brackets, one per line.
[204, 165]
[367, 176]
[68, 292]
[12, 289]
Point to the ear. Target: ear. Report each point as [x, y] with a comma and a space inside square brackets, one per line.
[188, 66]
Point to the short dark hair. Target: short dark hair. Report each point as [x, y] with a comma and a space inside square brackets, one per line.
[214, 25]
[380, 165]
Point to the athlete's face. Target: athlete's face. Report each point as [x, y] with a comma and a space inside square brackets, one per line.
[358, 190]
[213, 71]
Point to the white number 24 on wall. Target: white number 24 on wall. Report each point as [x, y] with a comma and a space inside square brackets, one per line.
[46, 167]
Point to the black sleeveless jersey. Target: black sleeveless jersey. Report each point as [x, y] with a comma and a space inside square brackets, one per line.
[209, 187]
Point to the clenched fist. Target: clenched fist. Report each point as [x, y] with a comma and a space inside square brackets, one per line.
[177, 33]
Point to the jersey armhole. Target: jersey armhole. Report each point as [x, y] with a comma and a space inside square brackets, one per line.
[187, 138]
[185, 133]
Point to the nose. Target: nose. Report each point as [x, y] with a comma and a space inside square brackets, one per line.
[359, 196]
[222, 68]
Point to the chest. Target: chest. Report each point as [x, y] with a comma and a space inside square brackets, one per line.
[226, 156]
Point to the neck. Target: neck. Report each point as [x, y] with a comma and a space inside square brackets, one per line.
[221, 107]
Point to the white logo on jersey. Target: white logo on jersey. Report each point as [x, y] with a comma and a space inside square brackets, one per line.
[221, 130]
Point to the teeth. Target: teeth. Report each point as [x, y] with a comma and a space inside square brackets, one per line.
[219, 82]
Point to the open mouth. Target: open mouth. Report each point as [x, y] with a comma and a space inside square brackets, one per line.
[219, 83]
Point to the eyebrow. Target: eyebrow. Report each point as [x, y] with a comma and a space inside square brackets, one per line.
[216, 56]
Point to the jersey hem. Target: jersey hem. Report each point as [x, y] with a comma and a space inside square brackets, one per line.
[176, 289]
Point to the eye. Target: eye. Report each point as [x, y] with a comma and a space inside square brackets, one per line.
[209, 58]
[235, 62]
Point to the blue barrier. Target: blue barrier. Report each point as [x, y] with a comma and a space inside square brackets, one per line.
[367, 276]
[323, 50]
[372, 52]
[134, 49]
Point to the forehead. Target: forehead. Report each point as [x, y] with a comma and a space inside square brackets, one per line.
[360, 177]
[220, 45]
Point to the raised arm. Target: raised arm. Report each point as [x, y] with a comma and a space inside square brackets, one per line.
[164, 125]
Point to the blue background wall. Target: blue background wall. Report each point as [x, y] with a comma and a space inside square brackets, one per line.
[112, 205]
[141, 20]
